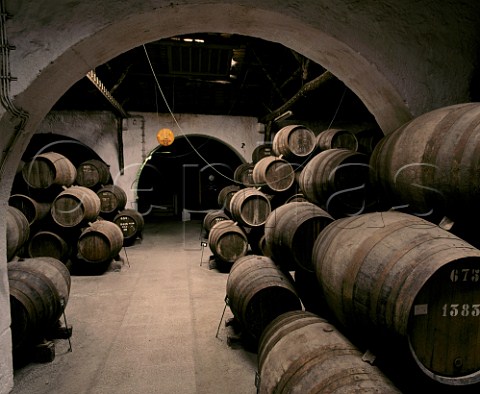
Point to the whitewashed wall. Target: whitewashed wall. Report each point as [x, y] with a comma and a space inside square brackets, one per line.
[99, 131]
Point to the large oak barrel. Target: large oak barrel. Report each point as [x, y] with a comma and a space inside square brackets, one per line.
[394, 275]
[100, 242]
[18, 231]
[338, 181]
[32, 209]
[302, 353]
[294, 142]
[49, 244]
[258, 291]
[112, 199]
[131, 222]
[273, 174]
[243, 174]
[225, 195]
[291, 231]
[337, 139]
[93, 173]
[227, 241]
[48, 169]
[75, 206]
[250, 207]
[262, 151]
[429, 166]
[213, 217]
[39, 292]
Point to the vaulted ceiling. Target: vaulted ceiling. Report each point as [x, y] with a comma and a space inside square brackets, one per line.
[217, 74]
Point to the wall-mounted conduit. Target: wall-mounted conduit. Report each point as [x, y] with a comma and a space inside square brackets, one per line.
[5, 80]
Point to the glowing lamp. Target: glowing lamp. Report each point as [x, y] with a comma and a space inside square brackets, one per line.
[165, 137]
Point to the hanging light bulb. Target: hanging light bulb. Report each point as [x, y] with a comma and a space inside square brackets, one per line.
[165, 137]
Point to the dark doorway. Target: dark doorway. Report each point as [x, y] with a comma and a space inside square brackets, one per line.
[185, 176]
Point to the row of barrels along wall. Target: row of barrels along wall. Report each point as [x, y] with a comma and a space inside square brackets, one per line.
[454, 371]
[61, 219]
[63, 224]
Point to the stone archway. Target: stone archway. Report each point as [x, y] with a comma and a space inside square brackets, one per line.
[78, 39]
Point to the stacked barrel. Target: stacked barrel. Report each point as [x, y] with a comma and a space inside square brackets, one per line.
[380, 236]
[69, 212]
[39, 292]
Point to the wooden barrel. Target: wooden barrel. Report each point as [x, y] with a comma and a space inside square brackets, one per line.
[32, 209]
[227, 241]
[258, 291]
[262, 151]
[337, 139]
[294, 142]
[273, 174]
[39, 292]
[93, 173]
[302, 353]
[112, 199]
[131, 222]
[250, 207]
[225, 195]
[212, 217]
[429, 166]
[100, 242]
[279, 327]
[243, 174]
[338, 181]
[48, 244]
[368, 139]
[75, 206]
[48, 169]
[297, 197]
[18, 231]
[398, 276]
[291, 231]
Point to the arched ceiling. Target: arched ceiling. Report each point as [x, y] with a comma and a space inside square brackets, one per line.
[221, 74]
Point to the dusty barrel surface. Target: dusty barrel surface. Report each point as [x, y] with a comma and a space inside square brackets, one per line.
[291, 231]
[48, 244]
[131, 222]
[74, 206]
[100, 242]
[227, 241]
[337, 139]
[338, 181]
[39, 292]
[429, 166]
[402, 277]
[18, 231]
[112, 199]
[48, 169]
[302, 353]
[258, 291]
[273, 174]
[294, 142]
[92, 173]
[32, 209]
[250, 207]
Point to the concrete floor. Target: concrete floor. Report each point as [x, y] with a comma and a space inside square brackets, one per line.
[148, 328]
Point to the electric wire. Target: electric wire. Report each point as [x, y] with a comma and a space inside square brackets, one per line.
[176, 122]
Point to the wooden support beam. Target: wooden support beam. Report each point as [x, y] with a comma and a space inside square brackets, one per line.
[308, 87]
